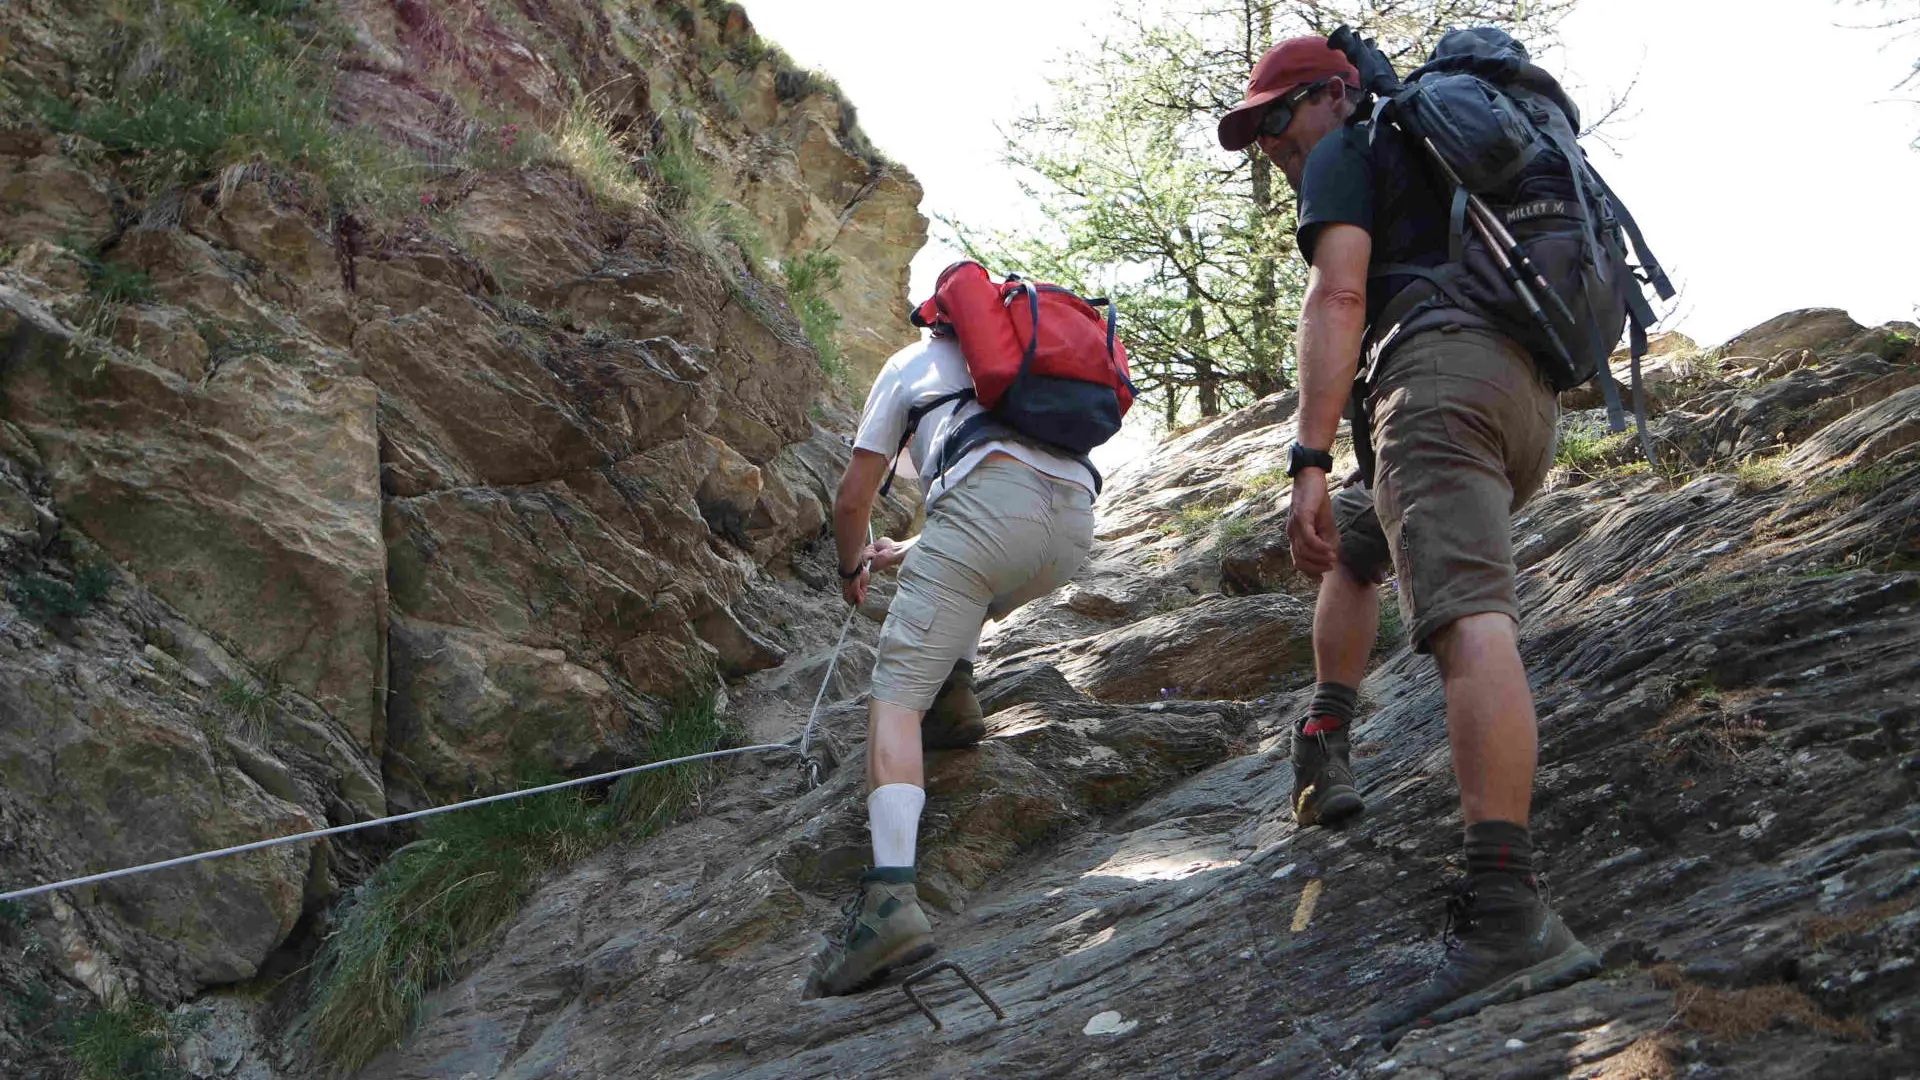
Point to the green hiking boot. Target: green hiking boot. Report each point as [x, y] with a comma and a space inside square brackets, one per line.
[884, 929]
[1503, 944]
[956, 719]
[1323, 792]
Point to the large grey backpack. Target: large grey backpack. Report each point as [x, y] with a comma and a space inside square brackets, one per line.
[1496, 120]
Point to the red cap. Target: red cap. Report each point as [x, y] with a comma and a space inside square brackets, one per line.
[1290, 64]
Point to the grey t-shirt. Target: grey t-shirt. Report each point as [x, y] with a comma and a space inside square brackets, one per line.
[919, 373]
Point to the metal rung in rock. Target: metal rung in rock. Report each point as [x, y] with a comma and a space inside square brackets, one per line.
[906, 985]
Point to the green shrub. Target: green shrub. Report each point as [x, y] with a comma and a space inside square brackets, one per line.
[1235, 529]
[46, 599]
[116, 283]
[792, 84]
[682, 17]
[810, 276]
[417, 921]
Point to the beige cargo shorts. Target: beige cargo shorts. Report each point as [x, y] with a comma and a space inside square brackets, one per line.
[1006, 535]
[1463, 434]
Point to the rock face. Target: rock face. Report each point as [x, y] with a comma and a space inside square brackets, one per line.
[1724, 663]
[313, 510]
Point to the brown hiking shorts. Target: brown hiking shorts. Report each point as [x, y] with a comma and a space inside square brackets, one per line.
[1463, 435]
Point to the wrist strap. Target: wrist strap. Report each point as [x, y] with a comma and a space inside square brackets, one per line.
[857, 571]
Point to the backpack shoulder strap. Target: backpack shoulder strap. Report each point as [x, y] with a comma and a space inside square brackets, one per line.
[914, 416]
[1648, 264]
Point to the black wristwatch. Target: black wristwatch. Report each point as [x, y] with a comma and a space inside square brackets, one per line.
[844, 576]
[1305, 457]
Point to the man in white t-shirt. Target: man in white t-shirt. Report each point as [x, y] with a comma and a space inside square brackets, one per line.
[1008, 519]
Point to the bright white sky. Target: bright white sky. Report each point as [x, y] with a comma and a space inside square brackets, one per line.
[1765, 157]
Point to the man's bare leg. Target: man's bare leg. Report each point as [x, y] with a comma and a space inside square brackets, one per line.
[893, 745]
[896, 781]
[1345, 619]
[1490, 719]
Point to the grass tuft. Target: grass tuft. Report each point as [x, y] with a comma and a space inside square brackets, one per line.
[1586, 450]
[116, 283]
[583, 141]
[1731, 1015]
[1758, 474]
[1196, 519]
[1235, 529]
[128, 1041]
[417, 922]
[811, 275]
[644, 803]
[250, 708]
[198, 83]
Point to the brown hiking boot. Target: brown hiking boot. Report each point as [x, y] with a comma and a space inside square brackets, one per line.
[1503, 943]
[1323, 791]
[884, 929]
[956, 719]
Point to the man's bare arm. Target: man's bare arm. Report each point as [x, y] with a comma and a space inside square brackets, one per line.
[1332, 321]
[853, 505]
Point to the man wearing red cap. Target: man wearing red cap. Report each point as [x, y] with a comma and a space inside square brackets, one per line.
[1463, 428]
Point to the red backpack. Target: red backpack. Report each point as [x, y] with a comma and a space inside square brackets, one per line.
[1043, 361]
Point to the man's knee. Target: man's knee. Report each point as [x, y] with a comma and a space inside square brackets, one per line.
[1343, 582]
[1457, 644]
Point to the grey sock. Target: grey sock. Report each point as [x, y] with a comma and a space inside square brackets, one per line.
[1333, 701]
[1499, 847]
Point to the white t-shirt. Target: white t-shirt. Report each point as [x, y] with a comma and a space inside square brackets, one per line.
[920, 373]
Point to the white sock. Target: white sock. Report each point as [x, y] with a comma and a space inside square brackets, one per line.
[893, 816]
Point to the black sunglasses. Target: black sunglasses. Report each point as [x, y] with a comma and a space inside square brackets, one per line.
[1276, 119]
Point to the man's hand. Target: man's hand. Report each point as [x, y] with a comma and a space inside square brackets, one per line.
[1311, 533]
[854, 589]
[889, 553]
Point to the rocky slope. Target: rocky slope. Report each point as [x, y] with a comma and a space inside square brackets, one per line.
[318, 505]
[1724, 652]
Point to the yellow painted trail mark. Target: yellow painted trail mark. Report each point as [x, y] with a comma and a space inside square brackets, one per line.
[1309, 899]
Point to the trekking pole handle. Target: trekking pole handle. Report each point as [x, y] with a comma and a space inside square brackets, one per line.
[1377, 76]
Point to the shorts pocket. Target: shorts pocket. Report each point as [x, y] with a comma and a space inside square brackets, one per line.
[913, 609]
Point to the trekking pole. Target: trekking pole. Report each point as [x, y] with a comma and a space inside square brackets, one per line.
[1490, 231]
[1497, 235]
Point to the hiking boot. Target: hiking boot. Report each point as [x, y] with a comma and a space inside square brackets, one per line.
[1323, 792]
[1503, 944]
[955, 720]
[884, 928]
